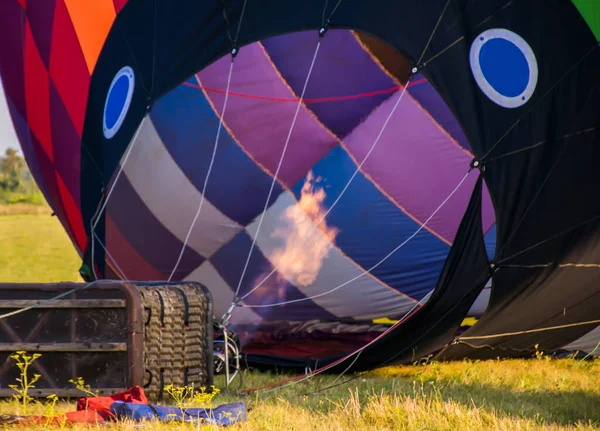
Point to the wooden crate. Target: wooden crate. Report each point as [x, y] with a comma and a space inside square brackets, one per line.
[113, 335]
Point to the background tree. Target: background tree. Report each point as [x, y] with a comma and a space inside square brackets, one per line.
[12, 171]
[17, 185]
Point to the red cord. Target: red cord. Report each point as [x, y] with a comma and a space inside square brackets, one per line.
[317, 100]
[333, 364]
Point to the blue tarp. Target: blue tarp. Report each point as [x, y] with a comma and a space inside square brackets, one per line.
[226, 414]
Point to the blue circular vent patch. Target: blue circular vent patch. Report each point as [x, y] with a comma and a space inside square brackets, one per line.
[504, 67]
[118, 101]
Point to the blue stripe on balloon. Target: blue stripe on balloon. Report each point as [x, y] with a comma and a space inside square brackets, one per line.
[187, 125]
[370, 226]
[490, 242]
[229, 262]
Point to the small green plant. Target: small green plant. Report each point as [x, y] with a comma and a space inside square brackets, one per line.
[50, 412]
[179, 394]
[539, 354]
[187, 396]
[81, 385]
[25, 383]
[203, 397]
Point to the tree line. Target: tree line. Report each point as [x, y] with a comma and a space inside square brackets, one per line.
[16, 182]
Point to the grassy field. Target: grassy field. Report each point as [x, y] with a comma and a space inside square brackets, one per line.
[35, 247]
[540, 393]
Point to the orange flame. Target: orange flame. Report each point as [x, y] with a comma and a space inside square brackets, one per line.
[301, 257]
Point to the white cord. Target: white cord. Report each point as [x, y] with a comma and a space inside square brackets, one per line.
[356, 171]
[359, 350]
[119, 172]
[110, 257]
[110, 191]
[210, 166]
[54, 298]
[277, 171]
[292, 301]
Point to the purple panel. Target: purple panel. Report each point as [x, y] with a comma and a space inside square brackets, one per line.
[48, 179]
[343, 68]
[261, 126]
[40, 14]
[432, 102]
[12, 29]
[41, 168]
[24, 135]
[67, 145]
[145, 233]
[128, 259]
[416, 164]
[187, 126]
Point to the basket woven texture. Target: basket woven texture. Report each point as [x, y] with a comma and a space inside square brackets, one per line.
[175, 337]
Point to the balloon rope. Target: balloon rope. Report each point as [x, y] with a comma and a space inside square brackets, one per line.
[119, 172]
[327, 99]
[210, 166]
[110, 191]
[358, 351]
[529, 331]
[421, 227]
[54, 298]
[287, 141]
[361, 165]
[133, 141]
[551, 264]
[356, 171]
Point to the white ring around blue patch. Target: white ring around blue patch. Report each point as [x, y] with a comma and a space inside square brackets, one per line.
[118, 100]
[504, 67]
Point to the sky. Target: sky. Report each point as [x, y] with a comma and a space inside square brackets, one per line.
[8, 138]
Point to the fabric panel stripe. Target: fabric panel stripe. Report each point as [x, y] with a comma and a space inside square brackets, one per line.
[92, 21]
[433, 103]
[134, 266]
[187, 124]
[261, 127]
[37, 94]
[415, 163]
[342, 68]
[145, 232]
[41, 16]
[370, 226]
[171, 197]
[365, 298]
[222, 294]
[68, 68]
[67, 153]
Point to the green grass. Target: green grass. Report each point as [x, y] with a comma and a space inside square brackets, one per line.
[536, 394]
[33, 198]
[35, 248]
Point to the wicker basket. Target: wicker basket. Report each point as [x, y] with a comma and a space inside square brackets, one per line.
[114, 335]
[176, 330]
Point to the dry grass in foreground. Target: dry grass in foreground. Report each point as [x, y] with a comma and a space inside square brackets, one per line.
[536, 394]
